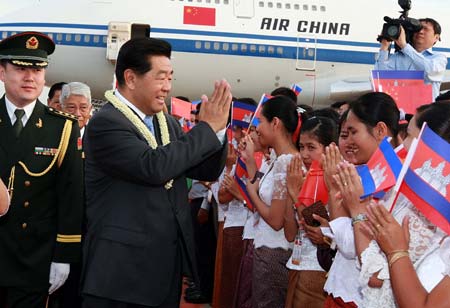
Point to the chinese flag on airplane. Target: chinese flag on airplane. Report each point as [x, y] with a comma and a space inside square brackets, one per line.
[180, 108]
[197, 15]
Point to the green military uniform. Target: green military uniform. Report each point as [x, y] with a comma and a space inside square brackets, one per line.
[43, 170]
[44, 218]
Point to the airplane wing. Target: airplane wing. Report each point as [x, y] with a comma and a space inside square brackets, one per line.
[349, 89]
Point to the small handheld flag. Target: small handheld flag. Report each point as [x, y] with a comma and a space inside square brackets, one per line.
[381, 171]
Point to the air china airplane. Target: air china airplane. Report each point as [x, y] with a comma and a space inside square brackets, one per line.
[328, 47]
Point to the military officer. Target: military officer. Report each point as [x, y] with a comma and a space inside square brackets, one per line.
[40, 162]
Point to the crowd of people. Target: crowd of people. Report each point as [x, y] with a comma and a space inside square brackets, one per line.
[120, 208]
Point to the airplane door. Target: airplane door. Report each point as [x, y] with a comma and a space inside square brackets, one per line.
[306, 52]
[244, 8]
[119, 33]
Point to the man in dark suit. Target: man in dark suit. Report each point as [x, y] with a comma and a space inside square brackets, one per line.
[40, 162]
[139, 237]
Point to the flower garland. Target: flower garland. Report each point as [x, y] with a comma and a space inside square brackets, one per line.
[133, 118]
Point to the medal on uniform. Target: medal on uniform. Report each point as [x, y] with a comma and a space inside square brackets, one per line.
[45, 151]
[79, 144]
[39, 123]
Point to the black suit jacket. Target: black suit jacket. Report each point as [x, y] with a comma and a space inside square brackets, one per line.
[43, 223]
[135, 225]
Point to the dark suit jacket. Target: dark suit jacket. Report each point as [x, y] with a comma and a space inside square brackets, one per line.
[135, 225]
[43, 223]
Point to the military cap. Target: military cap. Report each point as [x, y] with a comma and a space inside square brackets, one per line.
[27, 49]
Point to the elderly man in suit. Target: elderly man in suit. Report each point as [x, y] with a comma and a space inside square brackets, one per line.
[40, 235]
[139, 237]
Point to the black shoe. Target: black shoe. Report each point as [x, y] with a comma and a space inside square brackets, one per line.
[197, 298]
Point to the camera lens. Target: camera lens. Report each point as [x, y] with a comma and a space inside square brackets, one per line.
[393, 31]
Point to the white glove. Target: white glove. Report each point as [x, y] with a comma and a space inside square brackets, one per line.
[58, 275]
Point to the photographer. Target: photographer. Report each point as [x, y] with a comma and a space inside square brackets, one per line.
[419, 56]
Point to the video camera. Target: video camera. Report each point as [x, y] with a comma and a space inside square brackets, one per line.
[391, 29]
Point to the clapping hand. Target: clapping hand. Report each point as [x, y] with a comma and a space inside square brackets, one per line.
[295, 177]
[388, 233]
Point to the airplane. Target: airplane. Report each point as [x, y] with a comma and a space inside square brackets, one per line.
[327, 47]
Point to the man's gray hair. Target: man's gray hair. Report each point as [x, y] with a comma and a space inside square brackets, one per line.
[75, 88]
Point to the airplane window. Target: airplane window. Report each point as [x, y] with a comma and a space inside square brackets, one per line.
[4, 34]
[225, 46]
[261, 4]
[87, 38]
[50, 35]
[280, 50]
[216, 46]
[77, 37]
[262, 49]
[234, 47]
[207, 45]
[296, 7]
[279, 5]
[314, 7]
[322, 8]
[104, 39]
[288, 6]
[305, 7]
[217, 1]
[270, 4]
[59, 37]
[311, 52]
[226, 2]
[270, 49]
[252, 48]
[96, 39]
[68, 37]
[208, 1]
[244, 47]
[198, 45]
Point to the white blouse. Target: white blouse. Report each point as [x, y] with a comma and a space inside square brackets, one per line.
[343, 275]
[273, 187]
[423, 236]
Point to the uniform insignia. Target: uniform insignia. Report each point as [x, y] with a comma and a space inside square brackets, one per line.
[39, 123]
[32, 43]
[45, 151]
[79, 144]
[63, 114]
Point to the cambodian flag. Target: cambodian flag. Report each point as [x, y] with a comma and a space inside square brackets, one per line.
[241, 177]
[241, 114]
[427, 178]
[381, 171]
[256, 115]
[296, 88]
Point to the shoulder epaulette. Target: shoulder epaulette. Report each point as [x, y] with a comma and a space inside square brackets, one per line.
[62, 114]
